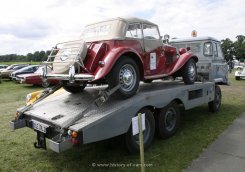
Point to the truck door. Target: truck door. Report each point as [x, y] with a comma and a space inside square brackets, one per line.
[220, 66]
[153, 49]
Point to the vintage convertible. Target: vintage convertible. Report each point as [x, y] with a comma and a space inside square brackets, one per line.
[120, 51]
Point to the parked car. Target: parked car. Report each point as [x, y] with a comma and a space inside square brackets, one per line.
[5, 72]
[240, 74]
[120, 51]
[24, 70]
[36, 78]
[3, 67]
[211, 65]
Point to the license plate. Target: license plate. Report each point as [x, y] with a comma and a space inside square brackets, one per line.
[39, 126]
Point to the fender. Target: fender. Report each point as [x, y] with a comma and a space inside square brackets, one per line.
[181, 61]
[111, 58]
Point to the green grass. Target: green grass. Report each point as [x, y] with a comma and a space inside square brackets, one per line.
[9, 63]
[198, 129]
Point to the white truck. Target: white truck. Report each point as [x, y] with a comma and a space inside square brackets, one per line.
[211, 65]
[67, 119]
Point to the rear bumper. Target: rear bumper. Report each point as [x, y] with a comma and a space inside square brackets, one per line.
[76, 77]
[60, 146]
[56, 144]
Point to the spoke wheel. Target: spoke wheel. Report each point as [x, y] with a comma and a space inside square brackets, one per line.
[125, 73]
[189, 72]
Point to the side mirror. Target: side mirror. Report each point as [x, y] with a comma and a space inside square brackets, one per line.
[166, 38]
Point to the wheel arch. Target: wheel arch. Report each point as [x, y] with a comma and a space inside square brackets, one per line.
[183, 59]
[137, 59]
[112, 58]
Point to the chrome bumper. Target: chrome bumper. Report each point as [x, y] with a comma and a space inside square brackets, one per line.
[76, 77]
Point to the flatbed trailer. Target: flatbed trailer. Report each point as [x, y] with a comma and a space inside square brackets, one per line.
[67, 119]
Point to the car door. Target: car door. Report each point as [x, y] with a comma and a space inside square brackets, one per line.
[152, 48]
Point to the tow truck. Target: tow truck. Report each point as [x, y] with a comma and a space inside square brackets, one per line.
[67, 119]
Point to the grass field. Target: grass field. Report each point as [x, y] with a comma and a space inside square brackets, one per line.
[198, 129]
[9, 63]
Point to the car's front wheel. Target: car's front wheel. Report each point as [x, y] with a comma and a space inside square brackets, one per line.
[125, 73]
[189, 72]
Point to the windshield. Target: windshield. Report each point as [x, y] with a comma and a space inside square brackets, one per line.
[27, 68]
[40, 70]
[10, 67]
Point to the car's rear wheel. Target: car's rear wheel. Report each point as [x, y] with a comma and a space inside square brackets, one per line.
[189, 72]
[74, 88]
[125, 73]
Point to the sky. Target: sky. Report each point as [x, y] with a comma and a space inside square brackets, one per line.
[35, 25]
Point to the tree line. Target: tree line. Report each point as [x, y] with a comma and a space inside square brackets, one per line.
[234, 49]
[230, 50]
[37, 56]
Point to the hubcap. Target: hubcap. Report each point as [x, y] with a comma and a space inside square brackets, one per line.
[127, 77]
[192, 71]
[170, 119]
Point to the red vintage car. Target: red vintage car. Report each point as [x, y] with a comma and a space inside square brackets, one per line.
[35, 78]
[120, 51]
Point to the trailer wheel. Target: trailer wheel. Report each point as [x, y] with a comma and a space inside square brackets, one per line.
[126, 74]
[168, 120]
[74, 88]
[189, 72]
[132, 142]
[214, 106]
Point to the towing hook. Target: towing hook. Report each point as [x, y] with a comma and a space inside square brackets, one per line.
[41, 141]
[37, 146]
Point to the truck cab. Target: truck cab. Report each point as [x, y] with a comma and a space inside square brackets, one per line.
[211, 64]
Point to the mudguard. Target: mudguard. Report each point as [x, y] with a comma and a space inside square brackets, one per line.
[181, 61]
[111, 58]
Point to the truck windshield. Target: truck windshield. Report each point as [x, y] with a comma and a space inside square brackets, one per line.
[194, 47]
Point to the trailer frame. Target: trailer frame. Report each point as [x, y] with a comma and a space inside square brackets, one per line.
[95, 115]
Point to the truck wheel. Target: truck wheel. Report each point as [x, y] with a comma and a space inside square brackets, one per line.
[126, 74]
[168, 120]
[74, 88]
[132, 142]
[214, 106]
[189, 72]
